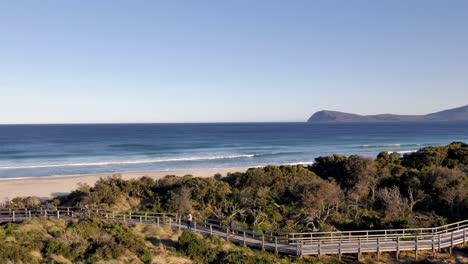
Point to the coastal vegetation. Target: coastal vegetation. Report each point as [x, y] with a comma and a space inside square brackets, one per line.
[425, 188]
[421, 189]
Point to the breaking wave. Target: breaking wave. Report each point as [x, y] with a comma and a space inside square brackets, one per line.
[125, 162]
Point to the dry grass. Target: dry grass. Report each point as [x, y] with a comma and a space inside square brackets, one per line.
[161, 259]
[122, 260]
[36, 255]
[60, 259]
[160, 232]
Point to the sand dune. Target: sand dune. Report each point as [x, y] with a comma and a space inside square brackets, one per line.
[50, 187]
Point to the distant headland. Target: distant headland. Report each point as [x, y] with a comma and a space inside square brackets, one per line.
[454, 114]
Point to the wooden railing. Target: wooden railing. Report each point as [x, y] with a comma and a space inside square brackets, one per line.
[315, 243]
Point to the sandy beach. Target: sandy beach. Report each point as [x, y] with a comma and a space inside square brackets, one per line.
[51, 187]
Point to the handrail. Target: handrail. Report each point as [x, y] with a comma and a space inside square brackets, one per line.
[315, 243]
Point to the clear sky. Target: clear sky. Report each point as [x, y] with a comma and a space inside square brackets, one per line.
[214, 61]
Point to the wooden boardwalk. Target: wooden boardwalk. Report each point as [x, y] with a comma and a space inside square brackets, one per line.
[299, 244]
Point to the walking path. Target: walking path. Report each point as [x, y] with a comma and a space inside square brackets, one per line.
[299, 244]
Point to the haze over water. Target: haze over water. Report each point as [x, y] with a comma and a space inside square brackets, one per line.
[51, 150]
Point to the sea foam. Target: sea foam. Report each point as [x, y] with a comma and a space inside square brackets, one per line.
[124, 162]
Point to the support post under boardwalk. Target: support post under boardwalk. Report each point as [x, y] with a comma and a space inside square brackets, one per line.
[243, 239]
[14, 216]
[211, 229]
[433, 246]
[58, 214]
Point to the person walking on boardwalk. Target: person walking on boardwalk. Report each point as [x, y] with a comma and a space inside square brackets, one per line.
[231, 227]
[189, 221]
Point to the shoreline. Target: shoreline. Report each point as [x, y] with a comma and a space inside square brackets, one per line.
[53, 186]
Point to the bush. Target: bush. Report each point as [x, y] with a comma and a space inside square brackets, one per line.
[196, 247]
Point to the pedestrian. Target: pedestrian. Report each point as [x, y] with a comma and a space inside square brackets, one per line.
[189, 221]
[231, 227]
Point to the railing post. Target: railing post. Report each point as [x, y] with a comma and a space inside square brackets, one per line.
[124, 220]
[464, 237]
[243, 239]
[263, 242]
[45, 213]
[359, 249]
[141, 219]
[276, 245]
[58, 214]
[29, 214]
[378, 248]
[68, 211]
[14, 216]
[433, 246]
[451, 243]
[211, 230]
[146, 216]
[227, 233]
[339, 250]
[300, 249]
[397, 248]
[319, 248]
[438, 241]
[170, 222]
[71, 214]
[416, 248]
[297, 249]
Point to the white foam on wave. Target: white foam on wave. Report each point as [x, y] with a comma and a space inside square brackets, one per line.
[302, 163]
[124, 162]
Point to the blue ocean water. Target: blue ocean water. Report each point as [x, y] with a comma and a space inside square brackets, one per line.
[51, 150]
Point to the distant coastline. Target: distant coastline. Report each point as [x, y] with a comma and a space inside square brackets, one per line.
[449, 115]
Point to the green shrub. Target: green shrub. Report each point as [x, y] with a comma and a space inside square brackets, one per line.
[196, 247]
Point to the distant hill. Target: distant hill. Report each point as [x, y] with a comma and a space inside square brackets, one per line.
[454, 114]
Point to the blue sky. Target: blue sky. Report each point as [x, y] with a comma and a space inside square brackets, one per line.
[215, 61]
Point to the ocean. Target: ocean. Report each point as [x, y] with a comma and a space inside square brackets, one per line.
[55, 150]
